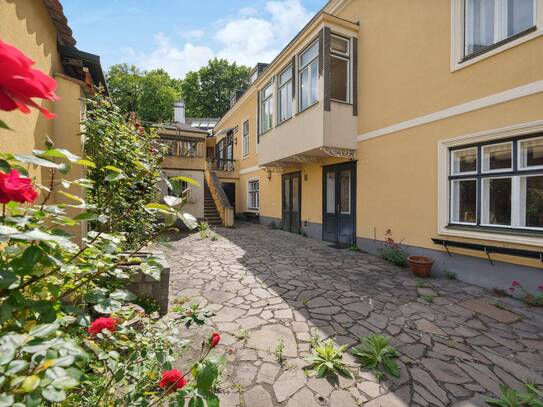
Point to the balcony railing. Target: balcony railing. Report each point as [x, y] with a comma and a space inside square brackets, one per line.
[221, 164]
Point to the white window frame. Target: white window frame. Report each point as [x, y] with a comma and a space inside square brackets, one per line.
[265, 101]
[465, 172]
[346, 56]
[519, 156]
[476, 201]
[496, 171]
[443, 190]
[249, 207]
[280, 86]
[457, 36]
[246, 138]
[301, 69]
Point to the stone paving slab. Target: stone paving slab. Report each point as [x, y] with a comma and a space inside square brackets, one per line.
[269, 287]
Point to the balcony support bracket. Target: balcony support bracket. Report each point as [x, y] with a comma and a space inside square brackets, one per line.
[339, 152]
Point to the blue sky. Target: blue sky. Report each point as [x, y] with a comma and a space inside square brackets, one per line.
[182, 35]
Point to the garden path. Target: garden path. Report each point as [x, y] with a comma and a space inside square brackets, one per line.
[269, 286]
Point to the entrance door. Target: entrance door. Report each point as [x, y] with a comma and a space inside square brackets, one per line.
[339, 203]
[292, 195]
[230, 191]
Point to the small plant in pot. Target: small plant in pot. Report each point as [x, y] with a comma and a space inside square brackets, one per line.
[420, 265]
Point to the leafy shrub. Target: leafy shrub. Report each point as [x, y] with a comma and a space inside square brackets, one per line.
[375, 353]
[392, 251]
[123, 152]
[51, 288]
[532, 397]
[204, 229]
[327, 359]
[149, 304]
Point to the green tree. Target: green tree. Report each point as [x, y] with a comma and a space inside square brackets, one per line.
[207, 92]
[151, 94]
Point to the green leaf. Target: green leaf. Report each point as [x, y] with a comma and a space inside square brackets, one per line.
[4, 166]
[8, 279]
[114, 177]
[72, 197]
[196, 401]
[206, 374]
[86, 163]
[44, 330]
[32, 255]
[391, 367]
[65, 382]
[189, 220]
[30, 159]
[113, 168]
[188, 180]
[122, 295]
[30, 383]
[54, 395]
[213, 401]
[6, 400]
[3, 125]
[172, 201]
[87, 216]
[16, 366]
[108, 306]
[157, 206]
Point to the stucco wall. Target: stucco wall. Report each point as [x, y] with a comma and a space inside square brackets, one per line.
[196, 206]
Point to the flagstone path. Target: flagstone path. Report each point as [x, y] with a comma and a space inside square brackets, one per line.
[269, 287]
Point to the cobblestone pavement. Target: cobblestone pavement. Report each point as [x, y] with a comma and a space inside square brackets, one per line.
[268, 286]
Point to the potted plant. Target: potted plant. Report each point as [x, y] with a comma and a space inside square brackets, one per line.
[420, 265]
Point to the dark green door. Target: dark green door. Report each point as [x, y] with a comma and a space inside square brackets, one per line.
[291, 202]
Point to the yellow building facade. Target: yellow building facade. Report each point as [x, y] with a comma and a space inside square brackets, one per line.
[424, 118]
[41, 31]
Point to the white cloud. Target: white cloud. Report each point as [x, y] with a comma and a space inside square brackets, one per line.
[249, 37]
[177, 61]
[192, 34]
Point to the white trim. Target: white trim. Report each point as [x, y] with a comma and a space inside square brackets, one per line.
[519, 156]
[443, 189]
[245, 154]
[457, 36]
[249, 196]
[491, 100]
[249, 169]
[498, 170]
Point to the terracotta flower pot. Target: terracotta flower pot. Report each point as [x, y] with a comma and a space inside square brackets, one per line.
[420, 265]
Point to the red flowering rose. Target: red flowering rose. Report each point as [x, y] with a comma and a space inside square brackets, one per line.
[19, 82]
[99, 324]
[215, 339]
[13, 187]
[540, 288]
[515, 283]
[173, 380]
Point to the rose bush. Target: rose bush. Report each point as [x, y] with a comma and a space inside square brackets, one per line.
[68, 332]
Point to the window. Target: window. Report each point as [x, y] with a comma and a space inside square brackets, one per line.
[266, 108]
[309, 76]
[489, 22]
[246, 138]
[284, 90]
[340, 68]
[253, 194]
[498, 185]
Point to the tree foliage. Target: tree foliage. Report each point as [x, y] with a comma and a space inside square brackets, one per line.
[207, 92]
[150, 94]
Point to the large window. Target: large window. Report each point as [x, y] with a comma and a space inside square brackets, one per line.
[490, 22]
[246, 138]
[498, 184]
[309, 76]
[266, 108]
[284, 90]
[253, 191]
[340, 68]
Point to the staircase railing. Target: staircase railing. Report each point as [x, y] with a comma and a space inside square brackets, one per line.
[224, 207]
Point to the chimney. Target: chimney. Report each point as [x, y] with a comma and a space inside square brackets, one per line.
[179, 112]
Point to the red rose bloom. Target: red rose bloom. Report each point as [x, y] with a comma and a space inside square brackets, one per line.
[540, 288]
[99, 324]
[13, 187]
[215, 339]
[19, 82]
[515, 283]
[173, 380]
